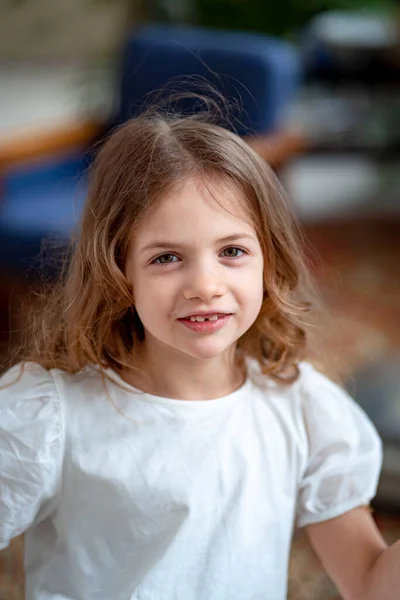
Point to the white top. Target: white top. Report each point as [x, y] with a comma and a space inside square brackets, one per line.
[126, 495]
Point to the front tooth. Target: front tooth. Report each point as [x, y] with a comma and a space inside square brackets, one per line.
[193, 319]
[213, 318]
[200, 319]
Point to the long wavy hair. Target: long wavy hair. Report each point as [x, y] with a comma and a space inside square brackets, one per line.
[88, 316]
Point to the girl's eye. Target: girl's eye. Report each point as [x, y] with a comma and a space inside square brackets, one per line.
[165, 259]
[233, 252]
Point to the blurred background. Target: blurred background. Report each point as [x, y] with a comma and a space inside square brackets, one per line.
[316, 85]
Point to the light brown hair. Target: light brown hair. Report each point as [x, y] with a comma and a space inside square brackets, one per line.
[88, 317]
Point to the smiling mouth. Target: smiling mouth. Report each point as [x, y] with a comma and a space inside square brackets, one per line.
[205, 323]
[204, 318]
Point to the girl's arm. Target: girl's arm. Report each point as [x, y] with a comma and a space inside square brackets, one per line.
[356, 557]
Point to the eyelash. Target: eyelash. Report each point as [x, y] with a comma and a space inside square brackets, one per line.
[241, 250]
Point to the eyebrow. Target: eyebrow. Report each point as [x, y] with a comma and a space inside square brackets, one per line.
[168, 244]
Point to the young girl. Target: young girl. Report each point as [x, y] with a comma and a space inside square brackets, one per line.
[161, 436]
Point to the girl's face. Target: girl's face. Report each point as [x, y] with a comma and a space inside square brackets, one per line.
[196, 268]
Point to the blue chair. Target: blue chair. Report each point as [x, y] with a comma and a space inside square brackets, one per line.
[39, 202]
[259, 72]
[44, 199]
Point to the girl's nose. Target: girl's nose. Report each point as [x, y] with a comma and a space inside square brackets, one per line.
[204, 284]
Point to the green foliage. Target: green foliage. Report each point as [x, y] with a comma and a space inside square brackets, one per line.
[278, 17]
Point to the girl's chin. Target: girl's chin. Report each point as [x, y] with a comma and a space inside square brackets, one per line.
[208, 351]
[202, 348]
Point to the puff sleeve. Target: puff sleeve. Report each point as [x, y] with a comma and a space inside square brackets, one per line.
[30, 449]
[344, 454]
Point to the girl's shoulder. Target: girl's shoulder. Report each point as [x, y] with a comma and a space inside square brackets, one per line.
[31, 376]
[30, 406]
[333, 446]
[322, 400]
[310, 382]
[342, 450]
[314, 405]
[32, 440]
[27, 383]
[311, 385]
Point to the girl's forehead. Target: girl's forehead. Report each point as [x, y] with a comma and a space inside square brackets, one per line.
[197, 202]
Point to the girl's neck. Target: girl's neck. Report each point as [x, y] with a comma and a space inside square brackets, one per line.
[184, 378]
